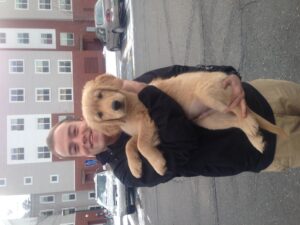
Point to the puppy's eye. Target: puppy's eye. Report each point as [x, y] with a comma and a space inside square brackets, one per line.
[99, 95]
[99, 114]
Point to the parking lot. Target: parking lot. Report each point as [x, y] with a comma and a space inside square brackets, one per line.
[262, 40]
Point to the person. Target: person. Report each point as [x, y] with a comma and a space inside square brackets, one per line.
[191, 150]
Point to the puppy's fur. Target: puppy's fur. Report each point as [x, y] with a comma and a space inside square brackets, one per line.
[108, 108]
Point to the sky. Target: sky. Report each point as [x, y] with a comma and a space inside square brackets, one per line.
[11, 206]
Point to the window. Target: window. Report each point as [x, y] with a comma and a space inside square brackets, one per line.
[28, 180]
[16, 66]
[2, 38]
[42, 66]
[45, 4]
[92, 195]
[43, 123]
[68, 197]
[47, 212]
[42, 94]
[43, 152]
[68, 211]
[66, 39]
[65, 94]
[17, 154]
[21, 4]
[2, 182]
[23, 38]
[95, 207]
[44, 199]
[65, 66]
[17, 124]
[46, 39]
[54, 179]
[65, 5]
[17, 95]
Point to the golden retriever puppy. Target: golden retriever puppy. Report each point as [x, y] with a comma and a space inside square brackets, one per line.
[108, 108]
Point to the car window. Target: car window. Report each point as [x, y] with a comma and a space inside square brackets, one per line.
[99, 18]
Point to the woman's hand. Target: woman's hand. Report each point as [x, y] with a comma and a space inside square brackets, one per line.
[133, 86]
[238, 94]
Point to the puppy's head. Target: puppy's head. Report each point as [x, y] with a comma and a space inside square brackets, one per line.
[103, 105]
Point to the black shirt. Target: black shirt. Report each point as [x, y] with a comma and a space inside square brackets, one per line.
[191, 150]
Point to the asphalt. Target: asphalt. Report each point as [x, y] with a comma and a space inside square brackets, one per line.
[261, 38]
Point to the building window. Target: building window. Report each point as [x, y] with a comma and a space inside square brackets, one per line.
[65, 94]
[68, 197]
[2, 38]
[65, 66]
[17, 124]
[21, 4]
[46, 39]
[42, 94]
[95, 207]
[16, 66]
[43, 123]
[45, 199]
[42, 66]
[2, 182]
[43, 152]
[17, 154]
[68, 211]
[45, 4]
[92, 195]
[54, 179]
[28, 180]
[65, 5]
[17, 95]
[67, 39]
[23, 38]
[47, 212]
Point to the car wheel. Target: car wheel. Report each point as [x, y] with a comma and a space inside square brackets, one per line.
[130, 209]
[118, 30]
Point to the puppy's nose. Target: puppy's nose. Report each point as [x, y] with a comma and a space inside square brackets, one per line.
[116, 105]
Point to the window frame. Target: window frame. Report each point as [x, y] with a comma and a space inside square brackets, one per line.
[18, 8]
[59, 67]
[36, 61]
[37, 95]
[31, 178]
[61, 95]
[54, 182]
[45, 4]
[15, 123]
[46, 196]
[23, 40]
[14, 152]
[4, 179]
[10, 66]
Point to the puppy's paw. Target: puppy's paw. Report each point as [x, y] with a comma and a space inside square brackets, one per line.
[258, 142]
[160, 166]
[136, 169]
[249, 125]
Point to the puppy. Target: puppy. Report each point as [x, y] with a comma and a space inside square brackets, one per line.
[108, 108]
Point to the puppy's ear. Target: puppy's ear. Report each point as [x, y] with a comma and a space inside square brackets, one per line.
[109, 81]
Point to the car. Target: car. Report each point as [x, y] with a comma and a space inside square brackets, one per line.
[118, 199]
[108, 17]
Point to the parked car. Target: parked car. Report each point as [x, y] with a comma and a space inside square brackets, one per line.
[118, 199]
[108, 28]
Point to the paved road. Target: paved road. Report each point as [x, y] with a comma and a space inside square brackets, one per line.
[261, 38]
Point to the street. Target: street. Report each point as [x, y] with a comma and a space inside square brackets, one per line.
[260, 38]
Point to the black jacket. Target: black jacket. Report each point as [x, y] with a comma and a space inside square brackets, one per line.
[191, 150]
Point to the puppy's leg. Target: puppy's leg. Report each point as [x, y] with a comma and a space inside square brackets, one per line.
[146, 144]
[134, 161]
[217, 98]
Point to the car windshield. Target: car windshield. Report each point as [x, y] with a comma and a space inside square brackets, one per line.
[99, 13]
[105, 191]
